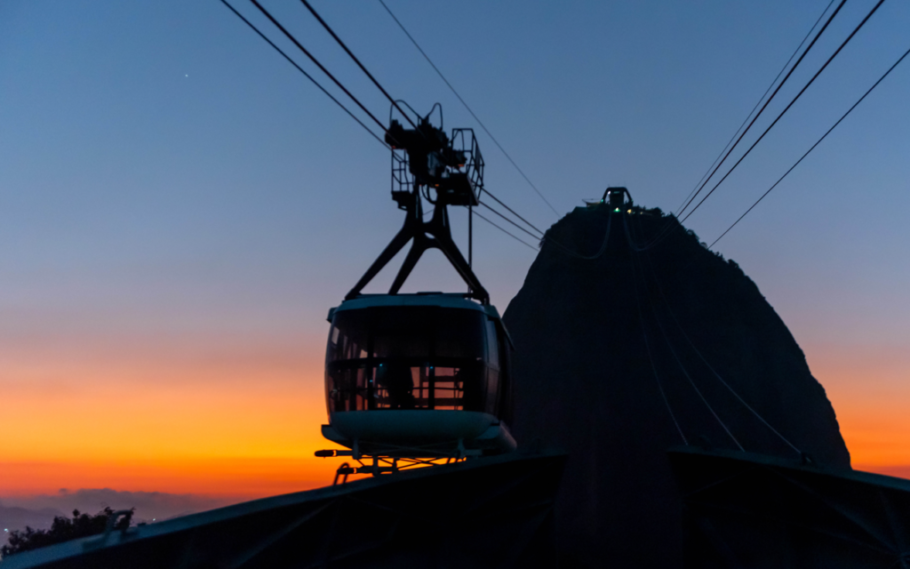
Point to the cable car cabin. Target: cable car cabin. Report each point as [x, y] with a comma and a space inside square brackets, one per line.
[423, 375]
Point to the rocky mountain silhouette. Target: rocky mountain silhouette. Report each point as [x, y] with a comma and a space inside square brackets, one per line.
[610, 337]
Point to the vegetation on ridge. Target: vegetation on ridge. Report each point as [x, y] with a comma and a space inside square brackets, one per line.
[64, 529]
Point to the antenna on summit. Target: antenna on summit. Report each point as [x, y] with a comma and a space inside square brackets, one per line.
[617, 197]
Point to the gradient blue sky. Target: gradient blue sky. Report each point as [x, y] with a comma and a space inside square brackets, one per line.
[173, 193]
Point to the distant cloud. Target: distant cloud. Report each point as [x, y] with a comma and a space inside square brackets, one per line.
[14, 517]
[17, 512]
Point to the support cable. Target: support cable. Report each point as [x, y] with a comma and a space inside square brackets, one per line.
[307, 75]
[709, 366]
[544, 236]
[318, 64]
[512, 211]
[860, 100]
[346, 91]
[357, 61]
[571, 253]
[762, 98]
[486, 205]
[635, 247]
[396, 105]
[353, 98]
[662, 234]
[644, 334]
[771, 98]
[485, 129]
[782, 113]
[670, 345]
[522, 241]
[400, 110]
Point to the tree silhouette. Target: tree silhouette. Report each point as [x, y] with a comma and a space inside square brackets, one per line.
[63, 529]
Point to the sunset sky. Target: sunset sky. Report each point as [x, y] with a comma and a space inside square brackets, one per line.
[179, 207]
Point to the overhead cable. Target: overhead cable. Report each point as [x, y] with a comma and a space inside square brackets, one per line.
[850, 110]
[765, 106]
[486, 205]
[357, 61]
[522, 241]
[571, 253]
[544, 236]
[708, 365]
[689, 379]
[305, 74]
[396, 105]
[762, 98]
[466, 106]
[318, 64]
[337, 102]
[644, 334]
[512, 211]
[670, 346]
[782, 113]
[740, 133]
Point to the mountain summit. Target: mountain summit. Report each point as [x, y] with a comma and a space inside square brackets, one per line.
[631, 337]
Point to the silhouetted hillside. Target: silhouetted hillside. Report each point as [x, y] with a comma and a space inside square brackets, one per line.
[584, 381]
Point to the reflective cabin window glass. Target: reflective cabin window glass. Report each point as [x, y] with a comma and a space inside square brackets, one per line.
[492, 345]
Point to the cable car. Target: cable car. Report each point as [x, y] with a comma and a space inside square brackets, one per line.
[425, 375]
[418, 375]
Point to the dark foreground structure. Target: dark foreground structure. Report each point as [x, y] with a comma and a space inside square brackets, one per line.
[492, 512]
[754, 511]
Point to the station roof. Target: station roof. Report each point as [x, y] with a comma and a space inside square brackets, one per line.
[478, 513]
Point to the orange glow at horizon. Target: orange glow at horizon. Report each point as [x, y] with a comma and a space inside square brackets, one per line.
[243, 421]
[870, 393]
[243, 425]
[240, 478]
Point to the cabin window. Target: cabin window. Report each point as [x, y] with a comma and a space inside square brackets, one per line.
[492, 344]
[412, 358]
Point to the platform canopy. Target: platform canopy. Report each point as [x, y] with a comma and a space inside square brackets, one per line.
[490, 512]
[747, 510]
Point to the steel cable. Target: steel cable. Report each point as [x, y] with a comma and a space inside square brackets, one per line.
[708, 365]
[662, 234]
[670, 346]
[601, 251]
[782, 113]
[860, 100]
[529, 224]
[471, 111]
[395, 104]
[777, 90]
[349, 94]
[522, 241]
[307, 75]
[762, 98]
[486, 205]
[359, 104]
[357, 61]
[644, 334]
[318, 64]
